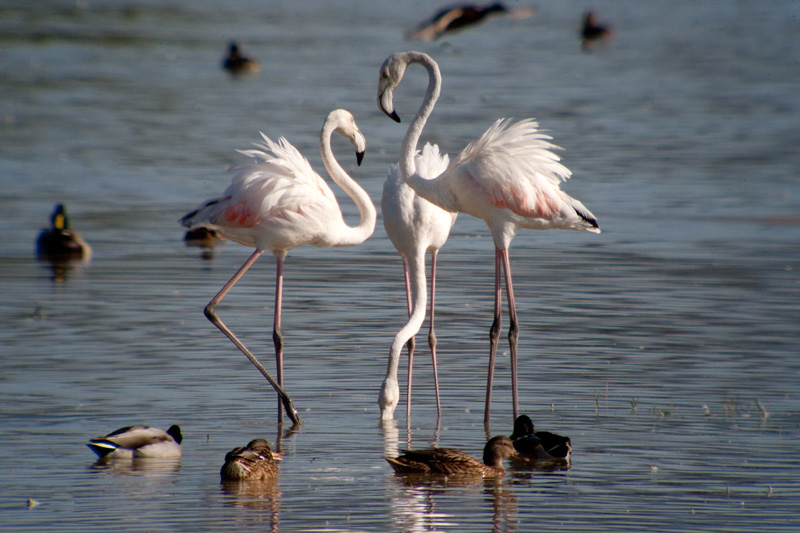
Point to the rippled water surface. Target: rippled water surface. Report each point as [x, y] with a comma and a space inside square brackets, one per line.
[666, 347]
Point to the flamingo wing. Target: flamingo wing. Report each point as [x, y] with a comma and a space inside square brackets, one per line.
[511, 167]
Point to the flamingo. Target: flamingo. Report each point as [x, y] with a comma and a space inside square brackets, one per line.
[508, 177]
[414, 225]
[278, 203]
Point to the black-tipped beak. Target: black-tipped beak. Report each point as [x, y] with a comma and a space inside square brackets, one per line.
[394, 116]
[359, 157]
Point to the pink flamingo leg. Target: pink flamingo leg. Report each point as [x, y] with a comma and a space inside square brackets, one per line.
[513, 330]
[410, 344]
[210, 312]
[277, 337]
[494, 333]
[432, 334]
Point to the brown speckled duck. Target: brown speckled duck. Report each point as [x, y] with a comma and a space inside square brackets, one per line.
[452, 462]
[539, 445]
[252, 462]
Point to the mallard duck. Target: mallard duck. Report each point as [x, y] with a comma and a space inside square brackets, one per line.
[538, 445]
[139, 441]
[452, 462]
[59, 242]
[593, 31]
[252, 462]
[237, 63]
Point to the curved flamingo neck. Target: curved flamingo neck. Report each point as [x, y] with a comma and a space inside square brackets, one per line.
[389, 395]
[366, 226]
[410, 141]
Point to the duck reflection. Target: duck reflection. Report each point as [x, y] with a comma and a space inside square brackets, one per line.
[138, 466]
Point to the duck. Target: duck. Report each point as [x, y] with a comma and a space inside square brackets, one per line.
[139, 441]
[593, 31]
[534, 445]
[236, 63]
[457, 17]
[204, 238]
[452, 462]
[59, 242]
[256, 461]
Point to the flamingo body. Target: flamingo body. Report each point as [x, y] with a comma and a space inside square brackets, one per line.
[415, 226]
[509, 177]
[276, 203]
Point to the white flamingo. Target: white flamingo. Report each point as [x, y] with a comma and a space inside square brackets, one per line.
[508, 177]
[278, 203]
[414, 226]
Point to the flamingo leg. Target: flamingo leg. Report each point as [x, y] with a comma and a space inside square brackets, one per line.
[410, 344]
[210, 313]
[432, 334]
[494, 332]
[277, 337]
[513, 330]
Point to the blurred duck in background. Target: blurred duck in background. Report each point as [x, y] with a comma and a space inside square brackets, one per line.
[593, 32]
[236, 63]
[59, 242]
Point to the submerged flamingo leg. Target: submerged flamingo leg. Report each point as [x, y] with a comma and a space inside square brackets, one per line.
[210, 312]
[410, 344]
[432, 334]
[494, 333]
[513, 330]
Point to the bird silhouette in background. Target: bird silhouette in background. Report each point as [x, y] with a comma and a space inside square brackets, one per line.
[458, 17]
[237, 64]
[592, 31]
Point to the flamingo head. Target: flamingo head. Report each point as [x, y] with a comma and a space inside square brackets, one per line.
[345, 125]
[388, 398]
[391, 73]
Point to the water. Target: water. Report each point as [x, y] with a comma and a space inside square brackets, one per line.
[666, 347]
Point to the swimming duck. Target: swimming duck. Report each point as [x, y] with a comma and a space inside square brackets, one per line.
[139, 441]
[59, 242]
[593, 31]
[252, 462]
[237, 63]
[538, 445]
[450, 461]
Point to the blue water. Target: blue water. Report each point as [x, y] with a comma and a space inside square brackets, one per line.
[665, 347]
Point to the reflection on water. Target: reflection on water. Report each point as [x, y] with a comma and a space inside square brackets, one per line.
[666, 349]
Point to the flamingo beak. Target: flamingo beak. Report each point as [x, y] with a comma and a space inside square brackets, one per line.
[359, 157]
[386, 105]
